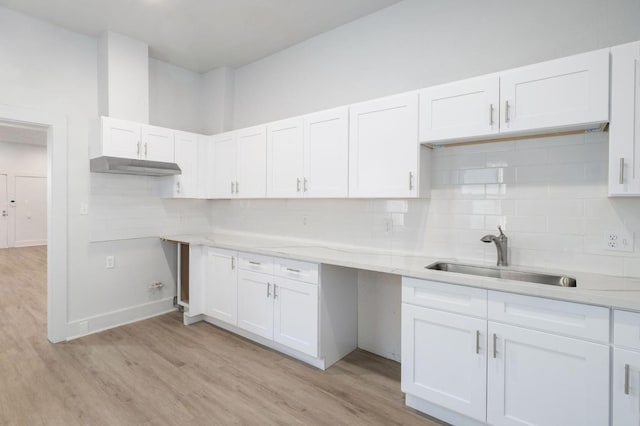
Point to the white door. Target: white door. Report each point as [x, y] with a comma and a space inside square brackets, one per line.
[4, 212]
[326, 154]
[624, 129]
[30, 211]
[444, 359]
[626, 387]
[563, 92]
[120, 138]
[285, 159]
[222, 285]
[157, 144]
[296, 315]
[255, 303]
[251, 181]
[464, 109]
[223, 149]
[383, 147]
[537, 378]
[185, 185]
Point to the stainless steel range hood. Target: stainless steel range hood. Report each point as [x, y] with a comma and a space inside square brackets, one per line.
[129, 166]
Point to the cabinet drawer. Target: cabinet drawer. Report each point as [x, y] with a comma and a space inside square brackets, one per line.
[445, 297]
[569, 319]
[296, 270]
[626, 329]
[256, 263]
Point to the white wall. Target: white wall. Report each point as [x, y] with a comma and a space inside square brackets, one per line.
[552, 193]
[48, 68]
[25, 159]
[419, 43]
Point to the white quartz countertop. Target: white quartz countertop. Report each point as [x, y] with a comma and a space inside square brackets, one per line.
[596, 289]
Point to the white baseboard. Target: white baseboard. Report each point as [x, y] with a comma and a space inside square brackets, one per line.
[439, 412]
[32, 243]
[117, 318]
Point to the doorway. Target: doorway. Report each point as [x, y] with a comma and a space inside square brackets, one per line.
[52, 131]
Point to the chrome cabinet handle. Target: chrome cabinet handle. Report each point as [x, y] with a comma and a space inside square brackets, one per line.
[4, 213]
[506, 111]
[138, 151]
[495, 344]
[237, 187]
[490, 115]
[298, 185]
[145, 148]
[477, 341]
[305, 185]
[232, 191]
[297, 271]
[410, 181]
[233, 263]
[255, 263]
[626, 379]
[178, 186]
[275, 291]
[621, 171]
[269, 290]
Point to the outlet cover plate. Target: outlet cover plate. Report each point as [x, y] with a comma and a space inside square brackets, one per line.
[618, 241]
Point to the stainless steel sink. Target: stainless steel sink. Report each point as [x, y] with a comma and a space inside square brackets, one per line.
[482, 271]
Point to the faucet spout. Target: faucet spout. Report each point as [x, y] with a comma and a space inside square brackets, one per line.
[501, 242]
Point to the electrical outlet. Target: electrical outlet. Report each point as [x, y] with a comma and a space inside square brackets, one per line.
[110, 262]
[618, 241]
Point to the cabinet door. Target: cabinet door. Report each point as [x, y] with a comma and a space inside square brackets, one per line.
[284, 159]
[624, 131]
[185, 185]
[222, 151]
[383, 147]
[157, 144]
[459, 110]
[255, 303]
[296, 315]
[626, 387]
[444, 359]
[536, 378]
[222, 285]
[251, 181]
[120, 138]
[326, 154]
[564, 92]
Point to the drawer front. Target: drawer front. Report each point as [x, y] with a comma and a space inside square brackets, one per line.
[445, 297]
[566, 318]
[626, 329]
[296, 270]
[256, 263]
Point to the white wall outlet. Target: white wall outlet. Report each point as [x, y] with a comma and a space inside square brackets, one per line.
[618, 241]
[110, 262]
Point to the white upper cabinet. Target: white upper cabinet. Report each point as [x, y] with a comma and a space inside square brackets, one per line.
[127, 139]
[238, 164]
[563, 93]
[185, 185]
[384, 153]
[119, 138]
[463, 109]
[624, 131]
[326, 154]
[284, 159]
[251, 178]
[309, 156]
[157, 144]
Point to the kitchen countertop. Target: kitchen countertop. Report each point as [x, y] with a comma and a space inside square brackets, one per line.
[595, 289]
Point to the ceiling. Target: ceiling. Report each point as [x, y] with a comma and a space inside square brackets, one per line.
[203, 34]
[19, 134]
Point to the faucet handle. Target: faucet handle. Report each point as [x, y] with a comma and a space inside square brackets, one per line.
[501, 233]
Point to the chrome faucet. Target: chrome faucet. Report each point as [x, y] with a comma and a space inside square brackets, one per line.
[501, 246]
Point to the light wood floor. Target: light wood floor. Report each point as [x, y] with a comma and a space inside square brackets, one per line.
[159, 372]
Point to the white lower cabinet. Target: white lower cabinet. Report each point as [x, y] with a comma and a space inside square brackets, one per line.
[295, 319]
[537, 378]
[626, 387]
[444, 358]
[255, 303]
[222, 285]
[511, 366]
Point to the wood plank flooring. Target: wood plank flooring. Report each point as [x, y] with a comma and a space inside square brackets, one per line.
[159, 372]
